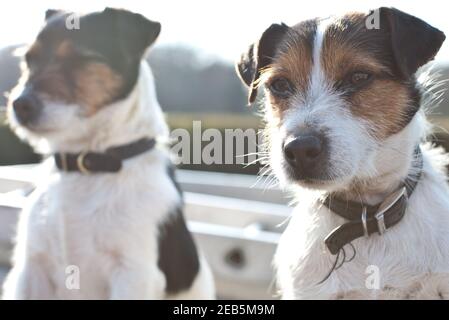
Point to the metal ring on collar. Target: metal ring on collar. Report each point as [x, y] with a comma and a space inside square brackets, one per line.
[80, 163]
[365, 225]
[381, 222]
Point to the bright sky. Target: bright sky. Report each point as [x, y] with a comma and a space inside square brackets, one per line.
[222, 28]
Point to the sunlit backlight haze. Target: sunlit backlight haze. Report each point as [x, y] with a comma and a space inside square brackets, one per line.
[217, 28]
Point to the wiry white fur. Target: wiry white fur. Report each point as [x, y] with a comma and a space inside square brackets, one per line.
[408, 255]
[105, 224]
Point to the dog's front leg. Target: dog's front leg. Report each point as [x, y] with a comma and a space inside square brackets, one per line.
[28, 280]
[30, 277]
[137, 283]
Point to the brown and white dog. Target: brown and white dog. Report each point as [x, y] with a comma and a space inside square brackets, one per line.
[106, 220]
[344, 114]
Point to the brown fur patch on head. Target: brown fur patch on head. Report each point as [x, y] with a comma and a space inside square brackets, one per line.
[293, 62]
[385, 105]
[64, 49]
[350, 47]
[52, 83]
[96, 86]
[71, 79]
[339, 57]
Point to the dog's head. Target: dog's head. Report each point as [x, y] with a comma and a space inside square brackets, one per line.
[336, 89]
[77, 66]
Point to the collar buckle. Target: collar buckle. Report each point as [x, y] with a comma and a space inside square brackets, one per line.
[386, 205]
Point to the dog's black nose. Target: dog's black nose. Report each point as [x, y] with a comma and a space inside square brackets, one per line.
[303, 151]
[27, 108]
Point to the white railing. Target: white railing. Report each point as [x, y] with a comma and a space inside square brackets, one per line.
[236, 223]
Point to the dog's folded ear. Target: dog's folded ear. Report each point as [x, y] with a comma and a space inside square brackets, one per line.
[413, 41]
[52, 12]
[135, 32]
[258, 56]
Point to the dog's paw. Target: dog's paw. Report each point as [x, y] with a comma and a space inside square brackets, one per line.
[430, 287]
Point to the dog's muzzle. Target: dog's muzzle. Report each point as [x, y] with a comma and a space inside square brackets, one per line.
[306, 154]
[27, 107]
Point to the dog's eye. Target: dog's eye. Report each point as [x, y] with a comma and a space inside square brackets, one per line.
[359, 78]
[281, 87]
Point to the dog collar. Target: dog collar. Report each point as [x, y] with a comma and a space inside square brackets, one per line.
[365, 220]
[108, 161]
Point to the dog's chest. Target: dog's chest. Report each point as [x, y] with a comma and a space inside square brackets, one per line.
[105, 204]
[393, 260]
[98, 222]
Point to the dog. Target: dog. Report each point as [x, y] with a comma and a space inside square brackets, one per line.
[346, 133]
[106, 220]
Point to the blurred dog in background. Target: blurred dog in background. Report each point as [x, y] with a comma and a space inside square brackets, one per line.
[109, 207]
[345, 126]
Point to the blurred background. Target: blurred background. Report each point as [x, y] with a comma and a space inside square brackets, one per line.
[234, 216]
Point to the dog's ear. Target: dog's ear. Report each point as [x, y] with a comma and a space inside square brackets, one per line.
[258, 56]
[413, 41]
[52, 12]
[135, 32]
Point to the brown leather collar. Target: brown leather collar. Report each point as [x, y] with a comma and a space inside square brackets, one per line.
[108, 161]
[365, 220]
